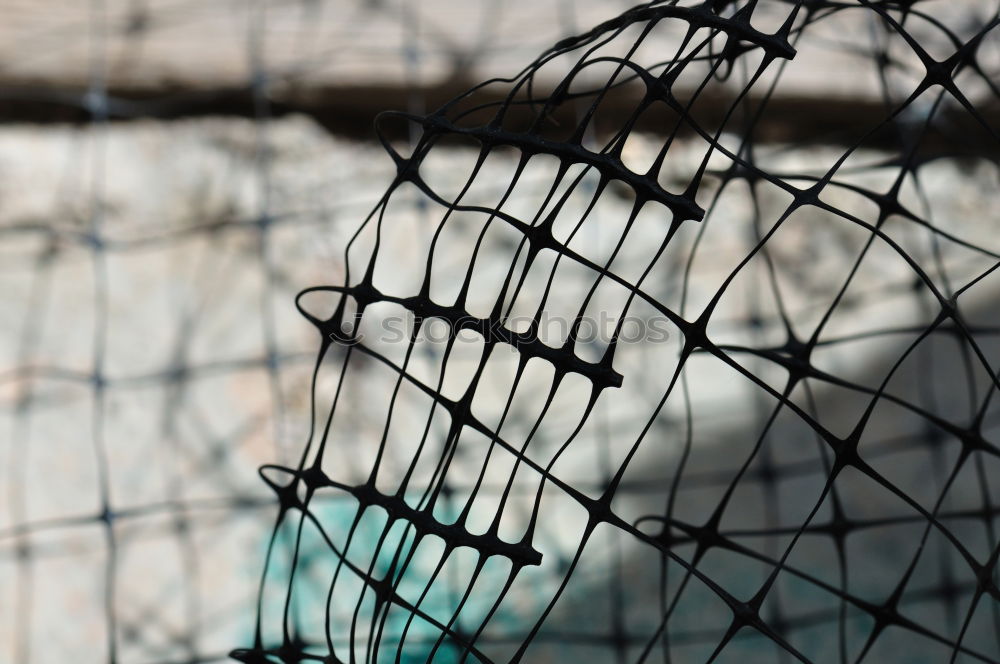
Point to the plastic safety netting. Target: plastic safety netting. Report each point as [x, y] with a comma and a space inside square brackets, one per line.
[712, 393]
[677, 345]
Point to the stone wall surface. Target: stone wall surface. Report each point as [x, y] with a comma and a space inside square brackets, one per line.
[154, 357]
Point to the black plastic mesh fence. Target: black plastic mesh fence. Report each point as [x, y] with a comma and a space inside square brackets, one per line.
[640, 357]
[471, 538]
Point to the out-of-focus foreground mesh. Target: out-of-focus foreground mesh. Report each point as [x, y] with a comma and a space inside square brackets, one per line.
[801, 466]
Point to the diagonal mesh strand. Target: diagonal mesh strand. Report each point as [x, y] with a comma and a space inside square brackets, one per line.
[796, 459]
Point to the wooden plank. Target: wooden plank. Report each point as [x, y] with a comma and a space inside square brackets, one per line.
[343, 62]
